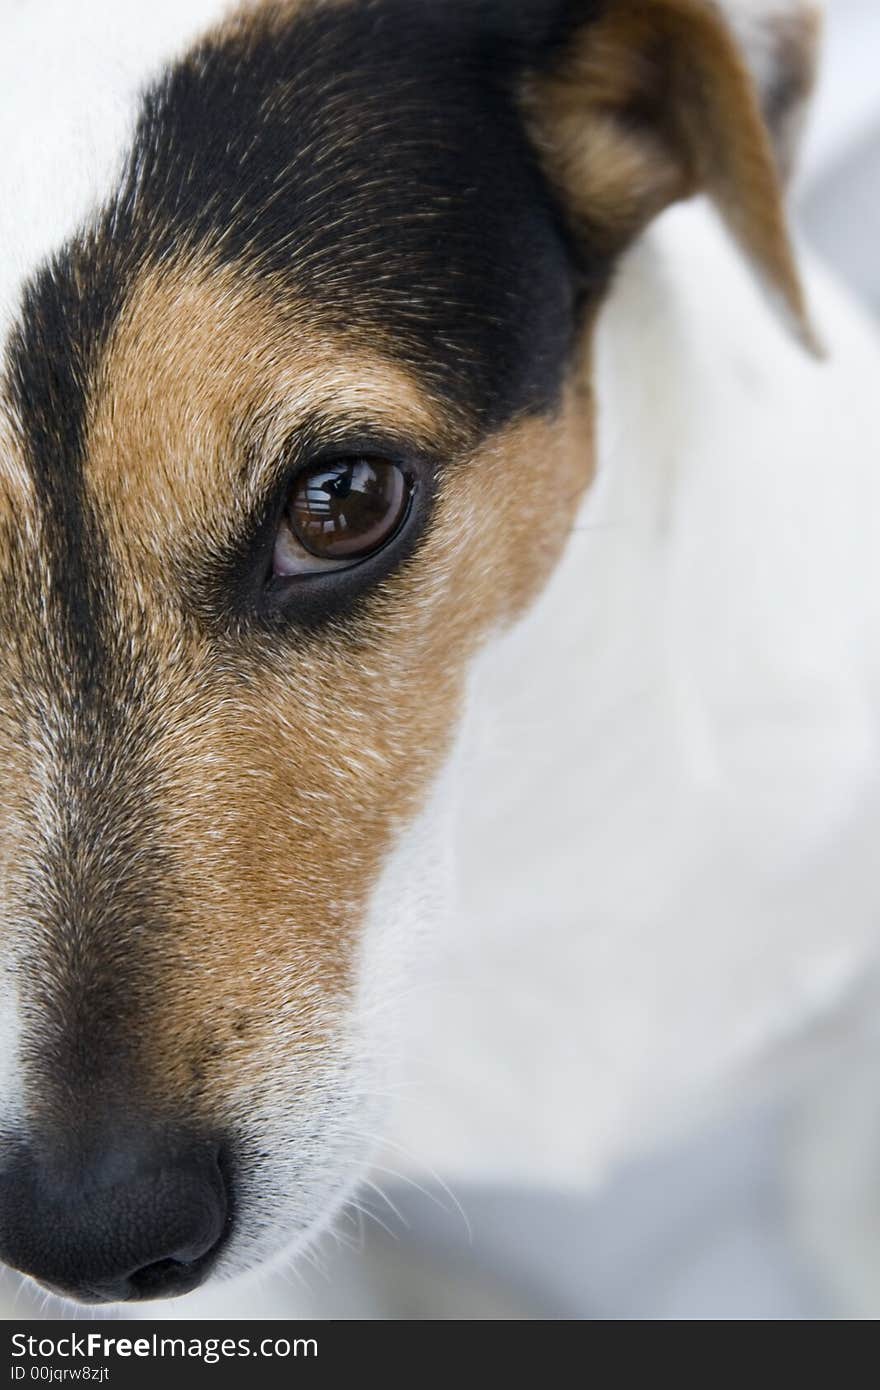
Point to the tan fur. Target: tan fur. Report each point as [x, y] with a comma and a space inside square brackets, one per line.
[16, 487]
[653, 103]
[280, 773]
[231, 369]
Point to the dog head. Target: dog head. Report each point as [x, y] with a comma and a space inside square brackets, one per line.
[296, 422]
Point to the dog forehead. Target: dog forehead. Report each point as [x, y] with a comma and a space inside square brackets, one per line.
[324, 152]
[370, 154]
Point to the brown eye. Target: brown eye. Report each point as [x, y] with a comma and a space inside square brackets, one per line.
[343, 510]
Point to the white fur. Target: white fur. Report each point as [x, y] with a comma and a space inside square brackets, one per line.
[668, 847]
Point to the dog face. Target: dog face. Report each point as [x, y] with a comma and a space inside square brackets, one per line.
[287, 432]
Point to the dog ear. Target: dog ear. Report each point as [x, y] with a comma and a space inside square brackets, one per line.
[645, 102]
[780, 40]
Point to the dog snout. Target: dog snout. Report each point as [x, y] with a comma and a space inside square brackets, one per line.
[141, 1217]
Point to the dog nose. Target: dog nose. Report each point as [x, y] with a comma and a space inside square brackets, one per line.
[137, 1219]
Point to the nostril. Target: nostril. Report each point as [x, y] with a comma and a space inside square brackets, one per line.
[164, 1278]
[142, 1221]
[156, 1274]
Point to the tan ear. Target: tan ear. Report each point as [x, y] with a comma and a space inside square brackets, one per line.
[649, 103]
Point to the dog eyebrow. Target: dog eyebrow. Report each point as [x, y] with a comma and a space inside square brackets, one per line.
[324, 434]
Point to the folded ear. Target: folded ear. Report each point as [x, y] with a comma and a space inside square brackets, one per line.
[780, 40]
[645, 102]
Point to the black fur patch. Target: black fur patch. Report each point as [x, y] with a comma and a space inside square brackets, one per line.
[52, 358]
[83, 705]
[371, 157]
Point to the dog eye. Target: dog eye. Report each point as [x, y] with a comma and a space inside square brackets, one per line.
[340, 512]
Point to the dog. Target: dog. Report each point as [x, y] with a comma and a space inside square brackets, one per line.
[315, 313]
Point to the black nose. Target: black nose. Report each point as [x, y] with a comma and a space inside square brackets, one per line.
[134, 1218]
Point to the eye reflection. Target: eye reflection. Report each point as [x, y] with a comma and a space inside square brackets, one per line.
[343, 510]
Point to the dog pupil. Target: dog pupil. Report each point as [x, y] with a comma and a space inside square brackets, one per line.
[349, 508]
[341, 487]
